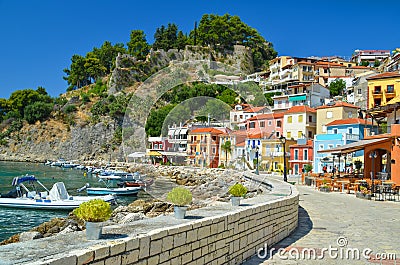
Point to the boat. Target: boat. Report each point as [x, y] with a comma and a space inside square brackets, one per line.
[39, 197]
[110, 187]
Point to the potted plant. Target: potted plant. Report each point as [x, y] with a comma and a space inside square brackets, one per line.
[237, 191]
[94, 213]
[181, 198]
[325, 186]
[364, 193]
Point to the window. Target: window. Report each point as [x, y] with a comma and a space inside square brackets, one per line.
[279, 124]
[377, 102]
[252, 125]
[262, 123]
[213, 150]
[300, 118]
[329, 114]
[275, 165]
[310, 119]
[289, 119]
[299, 134]
[325, 70]
[350, 115]
[305, 154]
[377, 90]
[160, 146]
[359, 91]
[390, 89]
[350, 130]
[305, 68]
[289, 135]
[296, 154]
[155, 146]
[334, 131]
[269, 123]
[324, 128]
[278, 134]
[235, 118]
[310, 135]
[330, 146]
[241, 116]
[321, 147]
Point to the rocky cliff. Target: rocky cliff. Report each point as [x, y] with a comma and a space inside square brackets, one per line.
[78, 136]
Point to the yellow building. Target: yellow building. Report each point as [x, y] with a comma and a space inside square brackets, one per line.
[272, 154]
[382, 88]
[337, 110]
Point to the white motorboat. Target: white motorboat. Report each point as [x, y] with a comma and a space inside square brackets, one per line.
[41, 198]
[111, 187]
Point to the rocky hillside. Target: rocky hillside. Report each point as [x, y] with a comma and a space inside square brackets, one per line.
[74, 133]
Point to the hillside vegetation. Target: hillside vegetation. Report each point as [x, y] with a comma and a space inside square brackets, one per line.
[86, 122]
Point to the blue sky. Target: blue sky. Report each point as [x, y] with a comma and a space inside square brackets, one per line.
[38, 38]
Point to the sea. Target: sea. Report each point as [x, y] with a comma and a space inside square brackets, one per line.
[14, 221]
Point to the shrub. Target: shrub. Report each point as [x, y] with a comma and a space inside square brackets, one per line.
[70, 108]
[180, 196]
[95, 210]
[237, 190]
[37, 111]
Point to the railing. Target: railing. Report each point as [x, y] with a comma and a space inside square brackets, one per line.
[377, 131]
[350, 136]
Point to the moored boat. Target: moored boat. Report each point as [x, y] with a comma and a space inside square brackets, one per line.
[41, 198]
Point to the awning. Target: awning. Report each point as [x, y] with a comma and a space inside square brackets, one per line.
[350, 148]
[183, 131]
[154, 153]
[137, 155]
[173, 153]
[298, 98]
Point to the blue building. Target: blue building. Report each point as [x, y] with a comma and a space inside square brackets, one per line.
[339, 132]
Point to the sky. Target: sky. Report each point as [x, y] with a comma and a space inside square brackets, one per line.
[38, 38]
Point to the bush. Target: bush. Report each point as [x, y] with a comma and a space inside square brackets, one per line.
[95, 210]
[70, 108]
[237, 190]
[179, 196]
[37, 111]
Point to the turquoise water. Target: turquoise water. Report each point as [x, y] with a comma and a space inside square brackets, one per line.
[14, 221]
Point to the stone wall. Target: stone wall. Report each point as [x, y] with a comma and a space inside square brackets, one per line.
[228, 237]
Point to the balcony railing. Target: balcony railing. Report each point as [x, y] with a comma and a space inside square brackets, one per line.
[354, 137]
[376, 131]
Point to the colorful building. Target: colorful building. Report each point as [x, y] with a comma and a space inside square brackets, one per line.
[335, 110]
[266, 124]
[299, 122]
[382, 88]
[301, 154]
[203, 146]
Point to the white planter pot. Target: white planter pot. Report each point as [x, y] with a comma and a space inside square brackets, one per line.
[235, 201]
[180, 212]
[93, 230]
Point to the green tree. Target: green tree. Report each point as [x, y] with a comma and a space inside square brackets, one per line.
[156, 119]
[166, 37]
[77, 75]
[336, 87]
[364, 63]
[181, 41]
[227, 148]
[137, 45]
[37, 111]
[107, 54]
[377, 63]
[228, 96]
[94, 68]
[19, 99]
[223, 32]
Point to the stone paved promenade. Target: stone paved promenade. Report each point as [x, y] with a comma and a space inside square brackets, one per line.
[326, 217]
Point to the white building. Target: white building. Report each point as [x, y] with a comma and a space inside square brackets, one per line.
[370, 55]
[242, 112]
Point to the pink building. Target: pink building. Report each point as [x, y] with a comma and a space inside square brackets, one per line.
[270, 124]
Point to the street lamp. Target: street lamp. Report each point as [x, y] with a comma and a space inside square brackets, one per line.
[372, 155]
[257, 160]
[283, 141]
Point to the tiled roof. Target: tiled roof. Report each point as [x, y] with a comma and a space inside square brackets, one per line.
[300, 109]
[349, 121]
[207, 130]
[360, 67]
[266, 116]
[328, 64]
[254, 109]
[338, 104]
[384, 75]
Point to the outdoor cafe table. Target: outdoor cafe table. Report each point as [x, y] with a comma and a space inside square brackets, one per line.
[343, 182]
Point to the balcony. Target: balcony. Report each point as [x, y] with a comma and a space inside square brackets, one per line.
[352, 137]
[378, 131]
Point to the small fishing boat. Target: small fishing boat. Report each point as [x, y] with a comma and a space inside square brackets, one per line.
[39, 197]
[110, 187]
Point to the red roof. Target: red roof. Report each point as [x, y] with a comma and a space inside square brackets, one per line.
[328, 64]
[254, 109]
[349, 121]
[300, 109]
[384, 75]
[207, 130]
[360, 67]
[338, 104]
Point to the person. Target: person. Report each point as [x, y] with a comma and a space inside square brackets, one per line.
[324, 169]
